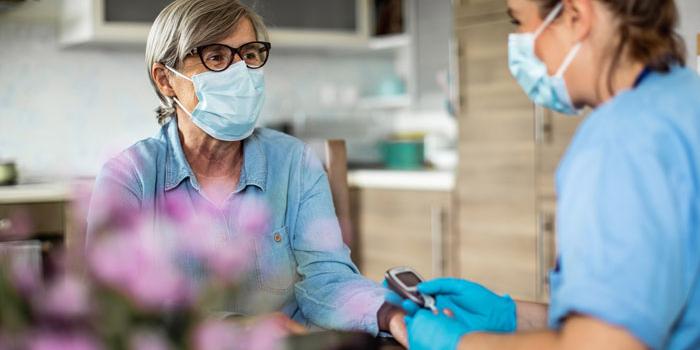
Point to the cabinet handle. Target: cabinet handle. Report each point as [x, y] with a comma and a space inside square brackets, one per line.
[543, 125]
[545, 227]
[437, 215]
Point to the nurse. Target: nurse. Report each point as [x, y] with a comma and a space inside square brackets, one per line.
[628, 271]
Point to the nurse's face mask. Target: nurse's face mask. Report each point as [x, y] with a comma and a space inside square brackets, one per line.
[531, 73]
[229, 100]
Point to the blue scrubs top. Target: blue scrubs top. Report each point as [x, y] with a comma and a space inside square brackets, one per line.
[629, 214]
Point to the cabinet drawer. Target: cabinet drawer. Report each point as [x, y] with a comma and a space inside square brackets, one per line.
[31, 219]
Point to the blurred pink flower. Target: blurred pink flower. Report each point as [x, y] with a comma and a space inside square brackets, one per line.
[148, 340]
[109, 212]
[224, 257]
[159, 286]
[254, 216]
[266, 335]
[137, 264]
[231, 260]
[25, 277]
[176, 208]
[217, 335]
[110, 258]
[67, 297]
[62, 341]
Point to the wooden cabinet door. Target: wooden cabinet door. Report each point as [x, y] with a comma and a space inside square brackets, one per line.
[553, 133]
[546, 246]
[477, 10]
[403, 228]
[496, 193]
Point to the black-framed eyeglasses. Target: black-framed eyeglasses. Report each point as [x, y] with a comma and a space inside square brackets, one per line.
[218, 57]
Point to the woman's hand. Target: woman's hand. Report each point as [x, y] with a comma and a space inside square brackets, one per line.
[277, 321]
[290, 326]
[397, 327]
[391, 319]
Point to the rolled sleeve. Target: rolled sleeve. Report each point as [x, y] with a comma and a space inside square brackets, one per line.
[621, 224]
[331, 294]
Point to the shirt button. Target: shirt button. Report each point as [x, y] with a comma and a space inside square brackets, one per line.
[278, 237]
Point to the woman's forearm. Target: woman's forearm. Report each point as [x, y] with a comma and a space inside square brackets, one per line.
[541, 340]
[530, 316]
[578, 332]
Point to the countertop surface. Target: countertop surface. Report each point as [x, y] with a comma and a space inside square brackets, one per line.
[36, 193]
[411, 180]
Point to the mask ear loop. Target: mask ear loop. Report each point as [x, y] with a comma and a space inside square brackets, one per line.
[177, 101]
[549, 19]
[182, 107]
[567, 61]
[179, 74]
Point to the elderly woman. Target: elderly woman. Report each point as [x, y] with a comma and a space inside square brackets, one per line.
[204, 59]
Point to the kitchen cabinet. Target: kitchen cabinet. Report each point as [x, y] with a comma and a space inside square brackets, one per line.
[30, 232]
[403, 228]
[332, 23]
[475, 11]
[36, 219]
[505, 198]
[39, 215]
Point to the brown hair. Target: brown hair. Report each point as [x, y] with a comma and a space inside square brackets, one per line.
[647, 32]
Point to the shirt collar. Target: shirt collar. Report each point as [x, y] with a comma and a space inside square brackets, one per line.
[254, 172]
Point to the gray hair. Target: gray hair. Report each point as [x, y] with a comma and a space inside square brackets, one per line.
[186, 24]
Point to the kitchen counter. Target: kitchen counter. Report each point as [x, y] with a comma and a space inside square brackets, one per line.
[418, 180]
[35, 193]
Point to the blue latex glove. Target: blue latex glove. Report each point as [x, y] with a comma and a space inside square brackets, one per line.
[391, 297]
[428, 331]
[472, 304]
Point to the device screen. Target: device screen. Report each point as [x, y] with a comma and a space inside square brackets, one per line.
[408, 278]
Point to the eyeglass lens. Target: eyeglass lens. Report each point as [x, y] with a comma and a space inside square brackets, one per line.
[218, 57]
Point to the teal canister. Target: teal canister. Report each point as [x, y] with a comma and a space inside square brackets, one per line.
[403, 154]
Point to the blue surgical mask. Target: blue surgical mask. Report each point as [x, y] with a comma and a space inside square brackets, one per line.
[531, 73]
[229, 101]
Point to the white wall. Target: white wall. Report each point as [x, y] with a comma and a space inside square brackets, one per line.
[64, 111]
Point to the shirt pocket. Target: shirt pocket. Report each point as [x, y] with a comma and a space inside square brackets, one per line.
[276, 268]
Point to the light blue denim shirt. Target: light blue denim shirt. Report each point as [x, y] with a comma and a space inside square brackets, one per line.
[307, 274]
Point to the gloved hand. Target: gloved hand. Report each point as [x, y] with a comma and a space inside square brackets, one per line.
[428, 331]
[472, 304]
[391, 297]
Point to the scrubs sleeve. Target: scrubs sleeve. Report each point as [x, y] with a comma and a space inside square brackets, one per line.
[116, 196]
[332, 293]
[621, 234]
